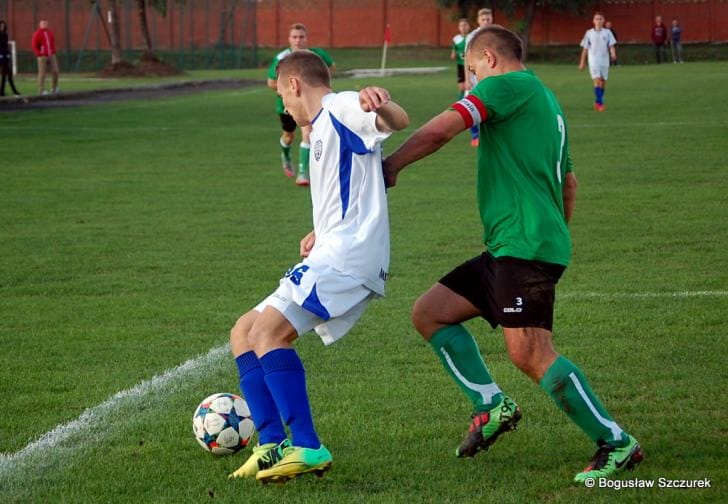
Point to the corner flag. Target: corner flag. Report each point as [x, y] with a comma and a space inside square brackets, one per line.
[387, 41]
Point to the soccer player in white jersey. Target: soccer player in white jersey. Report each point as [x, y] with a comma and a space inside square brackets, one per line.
[344, 266]
[598, 43]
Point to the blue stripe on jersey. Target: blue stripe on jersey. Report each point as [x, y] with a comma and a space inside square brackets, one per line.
[349, 144]
[312, 304]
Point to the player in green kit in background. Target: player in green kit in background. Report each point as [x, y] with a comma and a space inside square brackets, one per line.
[297, 40]
[526, 191]
[458, 53]
[459, 42]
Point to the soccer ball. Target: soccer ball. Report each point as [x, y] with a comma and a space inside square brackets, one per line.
[222, 424]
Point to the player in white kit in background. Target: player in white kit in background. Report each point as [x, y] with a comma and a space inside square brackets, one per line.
[344, 266]
[598, 44]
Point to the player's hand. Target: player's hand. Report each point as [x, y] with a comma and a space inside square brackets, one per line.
[307, 243]
[372, 98]
[390, 174]
[581, 66]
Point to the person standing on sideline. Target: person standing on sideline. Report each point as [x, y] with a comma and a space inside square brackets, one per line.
[676, 41]
[598, 45]
[485, 18]
[344, 266]
[659, 39]
[526, 193]
[6, 61]
[297, 41]
[608, 26]
[459, 42]
[44, 47]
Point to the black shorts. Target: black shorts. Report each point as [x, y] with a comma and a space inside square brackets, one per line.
[509, 292]
[287, 123]
[461, 73]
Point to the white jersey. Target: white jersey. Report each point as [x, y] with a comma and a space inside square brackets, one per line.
[598, 43]
[350, 216]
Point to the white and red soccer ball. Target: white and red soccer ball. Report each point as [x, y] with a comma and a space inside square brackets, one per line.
[222, 424]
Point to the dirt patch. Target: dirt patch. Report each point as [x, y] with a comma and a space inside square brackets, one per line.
[149, 66]
[100, 96]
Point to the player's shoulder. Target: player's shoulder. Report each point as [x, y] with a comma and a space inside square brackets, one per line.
[459, 38]
[342, 101]
[282, 54]
[323, 54]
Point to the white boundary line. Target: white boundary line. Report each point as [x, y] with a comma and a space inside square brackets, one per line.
[91, 417]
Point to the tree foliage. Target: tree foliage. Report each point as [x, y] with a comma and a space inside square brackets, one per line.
[159, 6]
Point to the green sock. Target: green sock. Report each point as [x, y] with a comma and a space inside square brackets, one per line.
[459, 353]
[286, 149]
[567, 386]
[305, 150]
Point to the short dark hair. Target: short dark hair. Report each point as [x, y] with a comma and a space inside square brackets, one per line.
[306, 65]
[298, 26]
[501, 40]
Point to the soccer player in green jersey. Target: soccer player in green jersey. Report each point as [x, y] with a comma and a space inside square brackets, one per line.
[297, 40]
[458, 53]
[526, 190]
[459, 42]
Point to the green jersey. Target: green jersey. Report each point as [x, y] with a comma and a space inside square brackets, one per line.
[458, 45]
[274, 65]
[523, 159]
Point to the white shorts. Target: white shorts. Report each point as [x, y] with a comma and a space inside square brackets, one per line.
[599, 71]
[319, 298]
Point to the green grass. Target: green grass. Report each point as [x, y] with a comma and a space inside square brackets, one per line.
[134, 234]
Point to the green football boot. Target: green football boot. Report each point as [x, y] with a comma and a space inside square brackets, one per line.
[295, 462]
[609, 460]
[488, 425]
[263, 457]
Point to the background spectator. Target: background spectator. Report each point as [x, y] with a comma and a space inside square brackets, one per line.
[659, 38]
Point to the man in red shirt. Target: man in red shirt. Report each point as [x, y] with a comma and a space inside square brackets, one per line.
[659, 37]
[44, 47]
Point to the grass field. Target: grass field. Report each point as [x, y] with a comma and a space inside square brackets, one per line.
[135, 233]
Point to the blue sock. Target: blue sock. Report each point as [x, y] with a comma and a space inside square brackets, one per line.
[475, 132]
[599, 93]
[263, 408]
[286, 380]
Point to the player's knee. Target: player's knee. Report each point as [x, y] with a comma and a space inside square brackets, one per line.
[239, 334]
[288, 137]
[421, 318]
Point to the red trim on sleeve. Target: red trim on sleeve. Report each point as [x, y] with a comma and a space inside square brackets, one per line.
[464, 113]
[479, 104]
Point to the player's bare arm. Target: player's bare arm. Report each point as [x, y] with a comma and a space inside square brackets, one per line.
[569, 194]
[307, 243]
[272, 84]
[390, 116]
[582, 61]
[613, 53]
[429, 138]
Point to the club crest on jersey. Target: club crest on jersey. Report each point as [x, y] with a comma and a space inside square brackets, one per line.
[318, 149]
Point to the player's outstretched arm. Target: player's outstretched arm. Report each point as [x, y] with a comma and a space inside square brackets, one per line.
[429, 138]
[390, 116]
